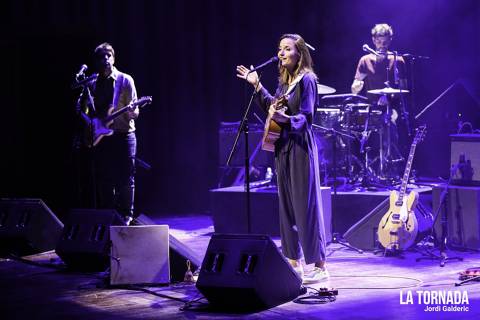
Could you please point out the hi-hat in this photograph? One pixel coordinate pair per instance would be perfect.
(388, 90)
(323, 89)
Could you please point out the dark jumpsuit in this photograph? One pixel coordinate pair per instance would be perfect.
(296, 161)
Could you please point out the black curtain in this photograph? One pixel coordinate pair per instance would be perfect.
(184, 54)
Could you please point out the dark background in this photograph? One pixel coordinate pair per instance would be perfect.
(184, 54)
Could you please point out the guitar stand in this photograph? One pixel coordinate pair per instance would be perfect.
(442, 256)
(389, 253)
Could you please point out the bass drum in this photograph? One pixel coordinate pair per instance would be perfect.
(325, 144)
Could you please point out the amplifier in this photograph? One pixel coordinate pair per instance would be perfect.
(465, 159)
(226, 138)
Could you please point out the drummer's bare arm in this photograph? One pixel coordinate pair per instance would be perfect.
(357, 86)
(358, 82)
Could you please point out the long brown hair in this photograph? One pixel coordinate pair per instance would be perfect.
(304, 64)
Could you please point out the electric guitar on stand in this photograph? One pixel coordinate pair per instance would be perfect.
(97, 128)
(398, 228)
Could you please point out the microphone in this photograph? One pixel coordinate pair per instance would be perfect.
(85, 81)
(263, 65)
(366, 48)
(81, 72)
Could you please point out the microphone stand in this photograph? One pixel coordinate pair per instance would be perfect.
(243, 127)
(83, 83)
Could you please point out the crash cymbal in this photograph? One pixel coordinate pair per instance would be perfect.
(323, 89)
(388, 90)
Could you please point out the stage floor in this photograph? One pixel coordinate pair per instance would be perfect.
(369, 287)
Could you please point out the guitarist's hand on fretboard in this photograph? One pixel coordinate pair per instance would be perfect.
(133, 114)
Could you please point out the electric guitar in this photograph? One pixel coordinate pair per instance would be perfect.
(398, 228)
(272, 129)
(97, 128)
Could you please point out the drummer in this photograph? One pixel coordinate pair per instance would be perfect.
(378, 71)
(384, 70)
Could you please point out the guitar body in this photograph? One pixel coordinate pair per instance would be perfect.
(100, 129)
(272, 130)
(271, 134)
(97, 128)
(398, 228)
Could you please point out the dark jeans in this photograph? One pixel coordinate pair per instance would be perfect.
(114, 161)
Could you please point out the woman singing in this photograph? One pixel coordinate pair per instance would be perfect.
(296, 157)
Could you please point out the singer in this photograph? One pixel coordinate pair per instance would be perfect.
(113, 160)
(296, 160)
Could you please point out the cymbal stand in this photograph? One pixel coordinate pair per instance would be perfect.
(386, 145)
(368, 177)
(336, 237)
(348, 112)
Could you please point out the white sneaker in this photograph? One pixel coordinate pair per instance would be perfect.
(299, 270)
(316, 275)
(297, 266)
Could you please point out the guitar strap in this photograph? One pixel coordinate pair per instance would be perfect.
(294, 83)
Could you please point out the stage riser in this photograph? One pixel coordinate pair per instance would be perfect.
(230, 216)
(342, 210)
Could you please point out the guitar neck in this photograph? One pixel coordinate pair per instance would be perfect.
(119, 112)
(139, 103)
(406, 174)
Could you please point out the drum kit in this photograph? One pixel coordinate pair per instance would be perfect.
(357, 142)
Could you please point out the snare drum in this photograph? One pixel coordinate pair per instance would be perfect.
(357, 119)
(328, 117)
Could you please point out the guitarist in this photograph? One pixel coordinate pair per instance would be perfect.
(114, 157)
(296, 162)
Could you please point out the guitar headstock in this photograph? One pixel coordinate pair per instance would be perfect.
(420, 133)
(143, 101)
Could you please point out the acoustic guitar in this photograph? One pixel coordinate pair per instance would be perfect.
(398, 228)
(272, 129)
(97, 128)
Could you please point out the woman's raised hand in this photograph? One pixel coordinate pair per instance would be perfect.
(250, 77)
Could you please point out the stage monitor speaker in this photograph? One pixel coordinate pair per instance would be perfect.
(246, 273)
(27, 226)
(363, 234)
(139, 255)
(179, 254)
(85, 241)
(161, 257)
